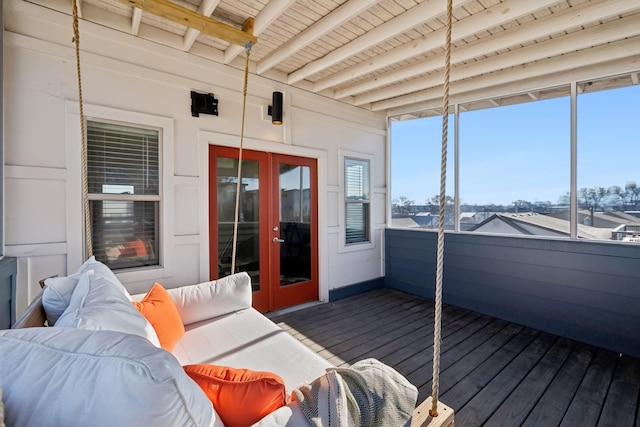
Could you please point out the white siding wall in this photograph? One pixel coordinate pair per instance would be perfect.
(132, 79)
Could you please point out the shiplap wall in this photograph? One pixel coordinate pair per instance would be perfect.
(587, 291)
(129, 79)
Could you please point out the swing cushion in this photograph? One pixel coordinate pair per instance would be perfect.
(56, 295)
(207, 300)
(74, 377)
(96, 304)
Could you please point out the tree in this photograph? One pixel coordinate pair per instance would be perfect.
(402, 204)
(632, 192)
(564, 200)
(522, 206)
(434, 203)
(592, 197)
(615, 197)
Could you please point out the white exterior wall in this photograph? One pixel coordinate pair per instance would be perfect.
(130, 79)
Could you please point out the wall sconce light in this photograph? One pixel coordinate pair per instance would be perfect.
(203, 103)
(275, 109)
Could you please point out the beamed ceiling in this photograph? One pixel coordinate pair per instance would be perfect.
(388, 55)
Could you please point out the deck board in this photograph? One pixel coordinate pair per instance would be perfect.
(587, 403)
(516, 407)
(492, 372)
(623, 393)
(556, 399)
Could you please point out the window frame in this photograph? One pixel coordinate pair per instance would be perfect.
(345, 155)
(114, 197)
(570, 90)
(76, 250)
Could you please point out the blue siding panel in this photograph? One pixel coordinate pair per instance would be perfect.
(355, 289)
(584, 290)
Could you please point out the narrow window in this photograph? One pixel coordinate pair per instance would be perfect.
(608, 151)
(124, 193)
(357, 201)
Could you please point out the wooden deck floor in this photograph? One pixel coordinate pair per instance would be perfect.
(493, 373)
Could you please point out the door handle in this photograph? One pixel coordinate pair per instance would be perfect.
(276, 240)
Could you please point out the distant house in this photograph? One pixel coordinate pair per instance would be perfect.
(404, 222)
(534, 224)
(610, 220)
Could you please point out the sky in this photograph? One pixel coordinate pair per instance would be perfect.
(522, 152)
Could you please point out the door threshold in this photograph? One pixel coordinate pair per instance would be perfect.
(292, 309)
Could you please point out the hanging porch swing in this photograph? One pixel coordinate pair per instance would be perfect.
(431, 412)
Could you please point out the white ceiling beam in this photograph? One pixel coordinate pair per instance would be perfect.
(136, 18)
(599, 54)
(426, 11)
(605, 33)
(570, 18)
(272, 11)
(533, 96)
(563, 77)
(336, 18)
(634, 78)
(494, 102)
(481, 21)
(206, 8)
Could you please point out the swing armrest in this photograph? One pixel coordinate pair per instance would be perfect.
(33, 316)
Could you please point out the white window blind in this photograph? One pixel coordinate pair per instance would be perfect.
(357, 201)
(124, 192)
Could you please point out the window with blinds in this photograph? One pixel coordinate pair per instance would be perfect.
(357, 200)
(123, 177)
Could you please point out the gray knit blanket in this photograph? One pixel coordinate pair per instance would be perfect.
(368, 394)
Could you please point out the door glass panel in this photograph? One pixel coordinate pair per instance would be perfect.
(248, 242)
(295, 224)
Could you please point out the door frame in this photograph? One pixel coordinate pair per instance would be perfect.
(287, 294)
(207, 138)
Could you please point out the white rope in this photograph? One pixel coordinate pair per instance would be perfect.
(247, 48)
(440, 255)
(85, 184)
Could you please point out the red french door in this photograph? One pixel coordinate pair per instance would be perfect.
(277, 224)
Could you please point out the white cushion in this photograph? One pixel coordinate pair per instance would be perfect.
(211, 299)
(101, 269)
(98, 304)
(73, 377)
(247, 339)
(57, 293)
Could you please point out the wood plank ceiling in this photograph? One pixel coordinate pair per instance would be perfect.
(388, 55)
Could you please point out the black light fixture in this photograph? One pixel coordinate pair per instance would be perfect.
(275, 109)
(203, 103)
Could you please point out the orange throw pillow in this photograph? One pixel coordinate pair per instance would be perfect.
(240, 396)
(160, 310)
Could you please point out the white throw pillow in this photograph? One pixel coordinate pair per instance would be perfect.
(72, 377)
(211, 299)
(96, 304)
(57, 293)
